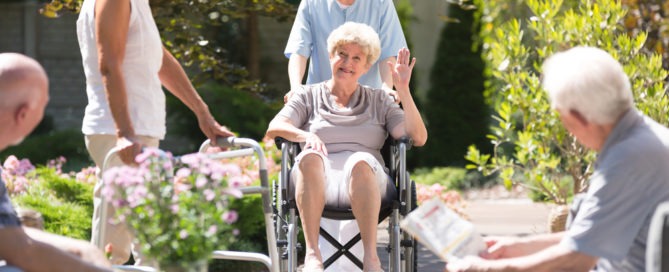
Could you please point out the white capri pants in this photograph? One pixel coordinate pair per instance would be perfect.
(338, 168)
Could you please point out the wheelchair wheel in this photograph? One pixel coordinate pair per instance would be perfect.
(280, 226)
(410, 244)
(414, 205)
(285, 221)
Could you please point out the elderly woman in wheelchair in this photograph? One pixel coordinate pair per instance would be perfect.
(341, 126)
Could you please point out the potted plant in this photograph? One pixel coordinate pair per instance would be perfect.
(180, 219)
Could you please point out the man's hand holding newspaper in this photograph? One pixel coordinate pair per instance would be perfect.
(443, 232)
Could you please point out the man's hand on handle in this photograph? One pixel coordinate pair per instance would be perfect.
(129, 149)
(213, 130)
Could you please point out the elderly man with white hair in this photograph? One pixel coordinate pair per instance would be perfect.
(609, 229)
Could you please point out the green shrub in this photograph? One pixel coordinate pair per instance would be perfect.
(67, 189)
(251, 238)
(240, 111)
(528, 137)
(455, 113)
(42, 147)
(450, 177)
(251, 224)
(65, 204)
(60, 217)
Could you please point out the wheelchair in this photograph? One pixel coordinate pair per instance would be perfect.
(399, 201)
(657, 248)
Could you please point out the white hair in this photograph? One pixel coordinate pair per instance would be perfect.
(357, 33)
(589, 81)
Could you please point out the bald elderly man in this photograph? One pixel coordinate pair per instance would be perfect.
(23, 97)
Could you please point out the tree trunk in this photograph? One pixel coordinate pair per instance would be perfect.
(253, 54)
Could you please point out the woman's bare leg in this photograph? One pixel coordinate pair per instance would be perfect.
(310, 198)
(366, 203)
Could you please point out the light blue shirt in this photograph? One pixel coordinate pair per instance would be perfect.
(631, 178)
(317, 18)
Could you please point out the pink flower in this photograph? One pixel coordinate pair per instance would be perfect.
(181, 187)
(201, 181)
(437, 188)
(108, 192)
(230, 217)
(108, 250)
(209, 194)
(11, 163)
(233, 192)
(20, 185)
(212, 230)
(87, 175)
(146, 154)
(183, 173)
(229, 169)
(183, 234)
(174, 208)
(240, 181)
(193, 160)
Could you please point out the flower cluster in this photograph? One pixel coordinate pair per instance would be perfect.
(57, 164)
(19, 175)
(181, 217)
(15, 174)
(452, 198)
(87, 175)
(248, 166)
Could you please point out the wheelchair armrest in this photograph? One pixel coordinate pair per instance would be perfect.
(405, 140)
(279, 141)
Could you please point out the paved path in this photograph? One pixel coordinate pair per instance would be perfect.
(517, 217)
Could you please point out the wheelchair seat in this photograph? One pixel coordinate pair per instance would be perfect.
(338, 212)
(399, 199)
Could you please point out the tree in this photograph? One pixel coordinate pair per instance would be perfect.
(185, 27)
(216, 41)
(456, 114)
(529, 142)
(649, 16)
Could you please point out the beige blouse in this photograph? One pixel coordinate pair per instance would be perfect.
(362, 125)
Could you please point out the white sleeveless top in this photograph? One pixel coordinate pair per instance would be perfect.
(143, 59)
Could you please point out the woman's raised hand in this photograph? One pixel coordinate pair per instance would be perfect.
(402, 69)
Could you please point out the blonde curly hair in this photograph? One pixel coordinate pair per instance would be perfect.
(356, 33)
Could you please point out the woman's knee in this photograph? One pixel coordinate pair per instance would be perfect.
(311, 168)
(362, 171)
(311, 163)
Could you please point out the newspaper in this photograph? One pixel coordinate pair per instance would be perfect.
(443, 231)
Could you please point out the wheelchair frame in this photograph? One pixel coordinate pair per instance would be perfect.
(401, 246)
(657, 247)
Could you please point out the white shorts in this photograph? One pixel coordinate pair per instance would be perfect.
(338, 168)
